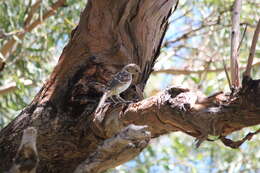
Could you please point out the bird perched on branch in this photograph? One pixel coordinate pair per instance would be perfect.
(119, 83)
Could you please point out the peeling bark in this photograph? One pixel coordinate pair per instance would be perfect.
(26, 159)
(110, 35)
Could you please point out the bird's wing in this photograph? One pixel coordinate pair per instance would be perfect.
(121, 78)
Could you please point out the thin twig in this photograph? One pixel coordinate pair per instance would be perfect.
(194, 71)
(243, 36)
(252, 50)
(226, 72)
(187, 34)
(181, 16)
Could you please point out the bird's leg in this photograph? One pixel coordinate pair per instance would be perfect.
(113, 100)
(121, 99)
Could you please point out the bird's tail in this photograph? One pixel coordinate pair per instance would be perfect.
(102, 101)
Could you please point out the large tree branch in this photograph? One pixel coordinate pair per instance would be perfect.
(179, 109)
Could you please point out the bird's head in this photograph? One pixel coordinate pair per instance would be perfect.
(132, 68)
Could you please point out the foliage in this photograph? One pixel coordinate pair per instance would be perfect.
(198, 39)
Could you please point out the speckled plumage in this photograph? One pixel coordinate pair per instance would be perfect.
(119, 83)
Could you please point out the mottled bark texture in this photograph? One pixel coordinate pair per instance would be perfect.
(111, 34)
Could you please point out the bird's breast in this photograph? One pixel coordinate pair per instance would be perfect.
(121, 88)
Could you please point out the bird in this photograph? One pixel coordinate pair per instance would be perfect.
(119, 83)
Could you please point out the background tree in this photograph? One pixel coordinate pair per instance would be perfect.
(196, 30)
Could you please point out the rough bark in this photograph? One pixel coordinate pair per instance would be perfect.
(110, 34)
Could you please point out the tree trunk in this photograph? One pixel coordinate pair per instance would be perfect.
(72, 138)
(110, 35)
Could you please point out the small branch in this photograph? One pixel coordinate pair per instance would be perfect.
(181, 16)
(26, 159)
(235, 34)
(189, 33)
(32, 11)
(2, 64)
(187, 72)
(204, 75)
(114, 151)
(236, 144)
(193, 32)
(243, 36)
(226, 72)
(12, 87)
(252, 50)
(49, 13)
